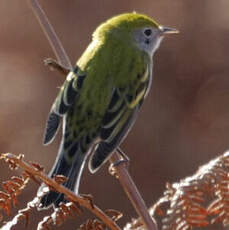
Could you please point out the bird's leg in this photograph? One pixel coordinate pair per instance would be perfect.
(54, 65)
(124, 159)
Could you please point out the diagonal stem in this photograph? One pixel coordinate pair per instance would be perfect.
(132, 192)
(47, 28)
(124, 176)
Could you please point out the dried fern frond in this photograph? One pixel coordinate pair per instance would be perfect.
(23, 214)
(60, 215)
(35, 172)
(93, 225)
(190, 198)
(97, 224)
(185, 205)
(13, 187)
(219, 208)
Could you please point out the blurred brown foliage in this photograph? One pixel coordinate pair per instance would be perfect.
(184, 121)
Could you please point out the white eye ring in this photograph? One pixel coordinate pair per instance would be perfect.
(148, 32)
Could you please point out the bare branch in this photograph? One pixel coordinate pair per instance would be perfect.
(51, 35)
(132, 192)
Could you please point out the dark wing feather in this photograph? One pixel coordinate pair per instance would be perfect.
(104, 148)
(118, 119)
(63, 102)
(52, 126)
(116, 123)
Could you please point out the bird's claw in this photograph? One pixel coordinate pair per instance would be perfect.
(125, 160)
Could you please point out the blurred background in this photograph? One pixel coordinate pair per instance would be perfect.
(184, 121)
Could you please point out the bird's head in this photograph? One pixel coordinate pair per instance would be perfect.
(133, 28)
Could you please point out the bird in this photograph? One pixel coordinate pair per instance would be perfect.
(101, 97)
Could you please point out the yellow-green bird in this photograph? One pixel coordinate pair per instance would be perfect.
(101, 97)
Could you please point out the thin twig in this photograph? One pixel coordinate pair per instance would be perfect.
(122, 171)
(50, 34)
(132, 192)
(61, 189)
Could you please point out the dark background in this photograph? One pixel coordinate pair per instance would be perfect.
(183, 123)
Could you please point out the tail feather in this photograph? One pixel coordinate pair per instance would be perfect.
(71, 169)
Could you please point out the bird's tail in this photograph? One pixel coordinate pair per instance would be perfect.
(71, 168)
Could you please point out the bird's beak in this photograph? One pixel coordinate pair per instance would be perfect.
(167, 30)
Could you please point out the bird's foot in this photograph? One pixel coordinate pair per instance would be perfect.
(124, 160)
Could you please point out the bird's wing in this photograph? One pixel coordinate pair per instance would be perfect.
(119, 117)
(63, 102)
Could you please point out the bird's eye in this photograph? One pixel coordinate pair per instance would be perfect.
(147, 32)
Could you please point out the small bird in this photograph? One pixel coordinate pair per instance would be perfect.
(101, 97)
